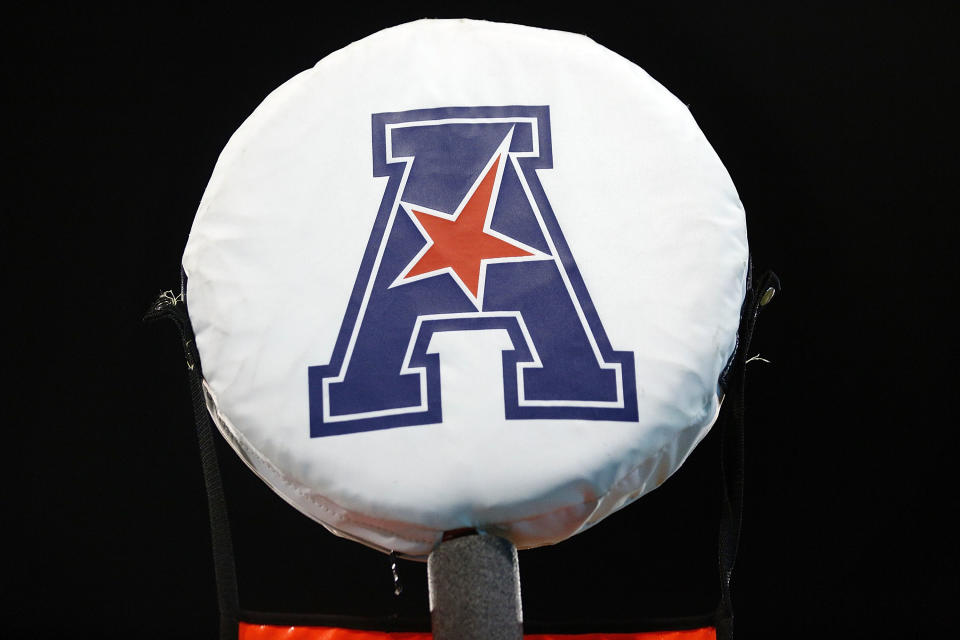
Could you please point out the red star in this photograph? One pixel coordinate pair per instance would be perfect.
(463, 245)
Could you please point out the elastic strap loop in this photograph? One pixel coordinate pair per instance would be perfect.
(172, 307)
(759, 294)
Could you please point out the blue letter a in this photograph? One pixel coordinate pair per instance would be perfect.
(466, 240)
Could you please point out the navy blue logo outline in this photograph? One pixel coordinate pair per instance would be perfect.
(417, 361)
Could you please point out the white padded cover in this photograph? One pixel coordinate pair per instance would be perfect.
(466, 274)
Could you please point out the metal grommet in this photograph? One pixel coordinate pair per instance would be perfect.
(767, 296)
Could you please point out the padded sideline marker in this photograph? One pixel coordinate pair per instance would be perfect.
(466, 274)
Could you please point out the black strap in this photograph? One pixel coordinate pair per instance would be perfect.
(172, 307)
(759, 294)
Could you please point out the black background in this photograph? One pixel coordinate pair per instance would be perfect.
(836, 125)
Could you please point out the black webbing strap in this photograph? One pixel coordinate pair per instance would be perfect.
(172, 307)
(759, 294)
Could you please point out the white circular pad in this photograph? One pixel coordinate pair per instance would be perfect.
(466, 274)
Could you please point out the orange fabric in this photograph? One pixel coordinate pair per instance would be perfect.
(274, 632)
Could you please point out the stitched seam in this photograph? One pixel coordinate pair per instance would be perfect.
(347, 516)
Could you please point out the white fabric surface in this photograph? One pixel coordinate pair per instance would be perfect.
(271, 262)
